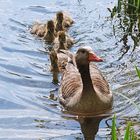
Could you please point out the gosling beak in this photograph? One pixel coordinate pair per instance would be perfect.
(93, 57)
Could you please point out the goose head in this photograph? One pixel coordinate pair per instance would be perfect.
(85, 55)
(50, 26)
(59, 16)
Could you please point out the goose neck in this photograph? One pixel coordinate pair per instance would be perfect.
(86, 79)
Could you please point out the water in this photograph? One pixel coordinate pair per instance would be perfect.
(27, 109)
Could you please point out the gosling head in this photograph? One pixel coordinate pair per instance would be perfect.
(50, 26)
(59, 16)
(85, 55)
(61, 36)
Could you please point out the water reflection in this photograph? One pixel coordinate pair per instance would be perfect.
(89, 127)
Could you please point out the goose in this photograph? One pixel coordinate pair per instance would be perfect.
(63, 41)
(62, 21)
(38, 29)
(83, 88)
(50, 33)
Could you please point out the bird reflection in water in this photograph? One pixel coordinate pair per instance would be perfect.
(89, 127)
(89, 124)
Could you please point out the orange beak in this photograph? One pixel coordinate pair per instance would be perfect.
(93, 57)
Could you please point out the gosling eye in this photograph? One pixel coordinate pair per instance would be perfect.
(83, 51)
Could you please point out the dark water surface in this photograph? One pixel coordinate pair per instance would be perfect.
(28, 110)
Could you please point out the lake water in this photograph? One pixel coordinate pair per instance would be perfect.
(29, 109)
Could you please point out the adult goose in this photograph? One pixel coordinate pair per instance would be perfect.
(83, 88)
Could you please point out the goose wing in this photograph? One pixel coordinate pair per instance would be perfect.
(68, 53)
(71, 86)
(100, 84)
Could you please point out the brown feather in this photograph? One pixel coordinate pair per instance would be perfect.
(71, 83)
(98, 81)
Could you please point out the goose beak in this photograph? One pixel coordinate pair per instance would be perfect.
(93, 57)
